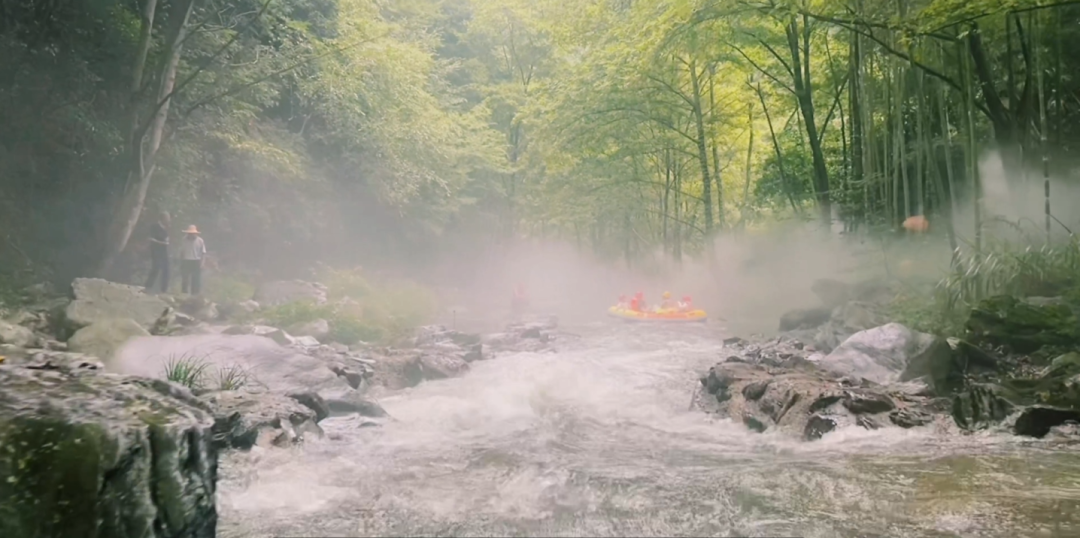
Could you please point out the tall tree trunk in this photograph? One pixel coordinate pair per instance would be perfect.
(142, 164)
(703, 153)
(776, 148)
(799, 45)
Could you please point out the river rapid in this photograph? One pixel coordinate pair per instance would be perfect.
(599, 440)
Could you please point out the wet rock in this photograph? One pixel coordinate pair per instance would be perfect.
(867, 402)
(946, 372)
(289, 291)
(754, 424)
(242, 419)
(1022, 327)
(1038, 420)
(881, 354)
(910, 418)
(97, 300)
(354, 402)
(318, 329)
(398, 369)
(980, 406)
(804, 318)
(438, 366)
(817, 426)
(312, 401)
(102, 338)
(754, 391)
(789, 399)
(103, 455)
(867, 422)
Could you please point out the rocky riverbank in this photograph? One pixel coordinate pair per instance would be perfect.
(1016, 369)
(114, 404)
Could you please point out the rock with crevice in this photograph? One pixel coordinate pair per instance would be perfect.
(801, 401)
(94, 454)
(243, 419)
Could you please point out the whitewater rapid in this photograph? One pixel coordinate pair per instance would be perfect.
(599, 440)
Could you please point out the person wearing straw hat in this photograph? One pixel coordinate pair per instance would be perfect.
(192, 257)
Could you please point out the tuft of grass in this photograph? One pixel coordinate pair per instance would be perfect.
(193, 372)
(187, 370)
(232, 378)
(1000, 268)
(1005, 270)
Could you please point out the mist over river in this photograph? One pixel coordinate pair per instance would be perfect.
(598, 440)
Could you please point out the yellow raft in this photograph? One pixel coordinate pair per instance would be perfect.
(669, 315)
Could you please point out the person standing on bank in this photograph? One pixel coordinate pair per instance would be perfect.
(192, 256)
(159, 253)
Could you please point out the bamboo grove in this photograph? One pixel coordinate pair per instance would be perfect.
(290, 129)
(671, 122)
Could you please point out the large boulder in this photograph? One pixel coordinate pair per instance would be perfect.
(16, 335)
(881, 354)
(97, 299)
(102, 338)
(101, 455)
(289, 291)
(264, 362)
(947, 373)
(1022, 326)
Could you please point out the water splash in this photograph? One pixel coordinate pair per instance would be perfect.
(598, 440)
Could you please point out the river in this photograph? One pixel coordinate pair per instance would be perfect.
(599, 440)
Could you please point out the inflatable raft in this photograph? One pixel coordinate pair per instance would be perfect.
(653, 315)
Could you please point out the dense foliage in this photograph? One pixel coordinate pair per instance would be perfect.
(360, 130)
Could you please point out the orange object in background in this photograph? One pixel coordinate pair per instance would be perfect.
(917, 224)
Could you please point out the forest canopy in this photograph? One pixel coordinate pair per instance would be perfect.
(352, 130)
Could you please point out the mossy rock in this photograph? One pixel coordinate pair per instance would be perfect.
(1059, 386)
(1023, 327)
(981, 406)
(102, 456)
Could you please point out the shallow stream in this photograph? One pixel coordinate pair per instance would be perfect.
(599, 440)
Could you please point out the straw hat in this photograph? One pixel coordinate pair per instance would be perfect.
(192, 230)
